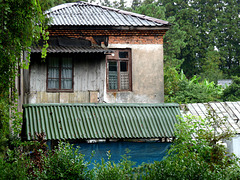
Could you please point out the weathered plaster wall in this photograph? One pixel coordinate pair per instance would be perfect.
(147, 75)
(233, 145)
(89, 77)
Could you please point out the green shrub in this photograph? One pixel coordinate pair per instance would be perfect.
(115, 171)
(196, 153)
(13, 167)
(232, 92)
(63, 163)
(181, 90)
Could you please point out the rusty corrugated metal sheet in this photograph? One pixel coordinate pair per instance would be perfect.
(228, 110)
(71, 49)
(100, 121)
(87, 14)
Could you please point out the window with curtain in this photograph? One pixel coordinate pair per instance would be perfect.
(119, 70)
(60, 74)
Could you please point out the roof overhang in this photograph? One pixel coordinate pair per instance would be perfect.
(72, 49)
(59, 44)
(79, 27)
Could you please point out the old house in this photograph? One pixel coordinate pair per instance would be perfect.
(102, 79)
(98, 54)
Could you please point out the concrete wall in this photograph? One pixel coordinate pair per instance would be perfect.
(147, 75)
(233, 145)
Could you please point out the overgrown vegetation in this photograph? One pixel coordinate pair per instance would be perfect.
(197, 153)
(182, 90)
(21, 24)
(232, 92)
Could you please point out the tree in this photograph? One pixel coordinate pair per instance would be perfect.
(229, 37)
(21, 24)
(47, 4)
(210, 66)
(135, 4)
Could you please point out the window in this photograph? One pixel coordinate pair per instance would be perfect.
(60, 74)
(119, 70)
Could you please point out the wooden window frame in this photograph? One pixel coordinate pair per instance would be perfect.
(60, 68)
(115, 58)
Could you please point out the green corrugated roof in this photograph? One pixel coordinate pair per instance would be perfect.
(100, 121)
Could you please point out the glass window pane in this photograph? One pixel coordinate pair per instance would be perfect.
(112, 66)
(53, 62)
(53, 72)
(123, 66)
(67, 62)
(66, 84)
(124, 75)
(53, 83)
(123, 54)
(66, 73)
(112, 75)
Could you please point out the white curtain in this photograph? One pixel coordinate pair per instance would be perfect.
(53, 73)
(66, 74)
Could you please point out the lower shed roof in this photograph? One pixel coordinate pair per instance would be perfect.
(99, 121)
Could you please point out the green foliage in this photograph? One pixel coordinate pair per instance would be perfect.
(210, 67)
(4, 125)
(204, 37)
(153, 9)
(47, 4)
(22, 24)
(63, 163)
(112, 171)
(232, 92)
(181, 90)
(13, 168)
(197, 153)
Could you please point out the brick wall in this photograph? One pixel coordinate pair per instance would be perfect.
(115, 36)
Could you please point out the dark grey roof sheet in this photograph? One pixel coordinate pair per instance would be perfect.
(87, 14)
(72, 49)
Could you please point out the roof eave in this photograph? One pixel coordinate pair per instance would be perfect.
(165, 27)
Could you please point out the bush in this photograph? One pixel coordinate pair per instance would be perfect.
(232, 92)
(195, 154)
(63, 163)
(181, 90)
(115, 171)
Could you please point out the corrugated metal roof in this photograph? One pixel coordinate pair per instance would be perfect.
(72, 49)
(87, 14)
(100, 121)
(228, 110)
